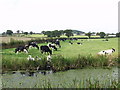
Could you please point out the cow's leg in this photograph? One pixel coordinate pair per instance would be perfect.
(17, 52)
(25, 51)
(42, 52)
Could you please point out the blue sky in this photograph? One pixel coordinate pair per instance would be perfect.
(39, 15)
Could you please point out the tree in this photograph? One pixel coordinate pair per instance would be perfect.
(31, 32)
(3, 33)
(62, 32)
(89, 34)
(102, 34)
(22, 32)
(26, 33)
(48, 33)
(68, 32)
(118, 34)
(97, 33)
(56, 33)
(9, 32)
(18, 31)
(43, 32)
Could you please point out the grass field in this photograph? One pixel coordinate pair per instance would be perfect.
(36, 35)
(67, 53)
(63, 36)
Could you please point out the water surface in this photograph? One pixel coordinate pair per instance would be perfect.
(21, 79)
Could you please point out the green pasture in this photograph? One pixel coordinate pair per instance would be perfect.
(67, 55)
(63, 36)
(36, 35)
(89, 46)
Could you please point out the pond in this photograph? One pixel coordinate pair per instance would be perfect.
(77, 78)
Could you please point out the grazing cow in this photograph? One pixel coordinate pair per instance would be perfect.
(45, 49)
(62, 39)
(75, 39)
(70, 42)
(101, 53)
(52, 46)
(106, 52)
(79, 43)
(58, 43)
(21, 49)
(33, 44)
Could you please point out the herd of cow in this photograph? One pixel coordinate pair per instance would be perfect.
(43, 48)
(54, 45)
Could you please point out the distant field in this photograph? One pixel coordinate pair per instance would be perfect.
(41, 35)
(36, 35)
(8, 39)
(29, 37)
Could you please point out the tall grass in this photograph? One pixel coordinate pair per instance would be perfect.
(58, 63)
(74, 84)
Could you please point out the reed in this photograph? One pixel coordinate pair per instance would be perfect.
(58, 63)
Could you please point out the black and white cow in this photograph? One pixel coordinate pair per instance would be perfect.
(70, 42)
(57, 42)
(62, 39)
(33, 44)
(45, 49)
(53, 46)
(106, 52)
(21, 49)
(75, 39)
(79, 43)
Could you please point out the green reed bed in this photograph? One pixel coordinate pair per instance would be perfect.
(58, 63)
(88, 83)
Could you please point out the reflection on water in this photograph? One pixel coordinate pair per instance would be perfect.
(38, 79)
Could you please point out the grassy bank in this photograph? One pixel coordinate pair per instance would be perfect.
(58, 63)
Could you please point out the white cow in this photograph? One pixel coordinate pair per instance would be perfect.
(106, 52)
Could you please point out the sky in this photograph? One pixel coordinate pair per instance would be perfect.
(47, 15)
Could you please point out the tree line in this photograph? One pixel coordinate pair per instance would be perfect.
(58, 33)
(10, 32)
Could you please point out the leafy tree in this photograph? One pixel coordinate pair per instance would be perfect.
(48, 33)
(89, 34)
(22, 32)
(56, 33)
(62, 32)
(97, 33)
(31, 32)
(102, 34)
(3, 33)
(43, 32)
(18, 31)
(9, 32)
(68, 32)
(26, 33)
(118, 34)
